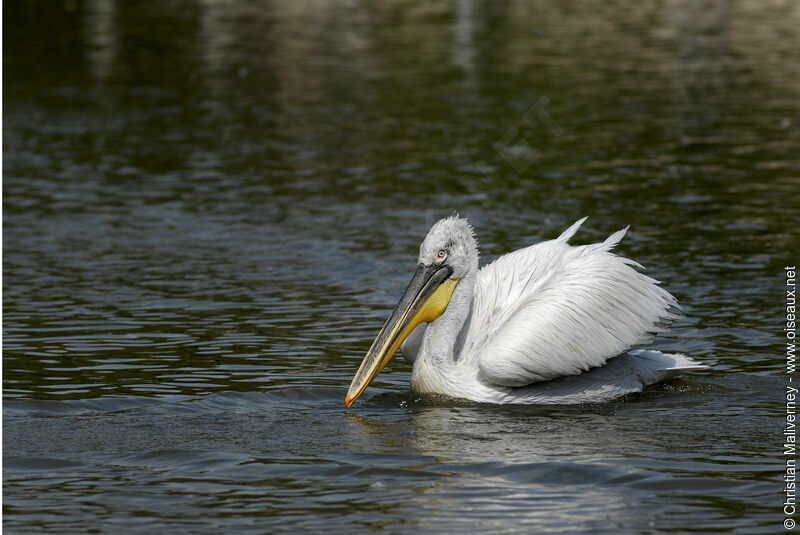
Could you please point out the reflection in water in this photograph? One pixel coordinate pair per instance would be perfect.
(539, 466)
(101, 38)
(700, 33)
(462, 48)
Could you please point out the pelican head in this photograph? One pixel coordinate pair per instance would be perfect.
(448, 254)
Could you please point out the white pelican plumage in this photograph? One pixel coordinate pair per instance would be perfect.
(550, 323)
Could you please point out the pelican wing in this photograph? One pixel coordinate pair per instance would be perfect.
(553, 310)
(626, 374)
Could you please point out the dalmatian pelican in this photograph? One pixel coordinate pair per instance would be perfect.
(548, 324)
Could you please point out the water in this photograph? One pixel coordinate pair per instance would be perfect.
(210, 208)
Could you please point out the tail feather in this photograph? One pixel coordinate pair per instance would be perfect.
(657, 366)
(570, 232)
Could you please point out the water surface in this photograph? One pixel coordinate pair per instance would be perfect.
(210, 208)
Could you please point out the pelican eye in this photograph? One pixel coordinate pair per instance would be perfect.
(441, 255)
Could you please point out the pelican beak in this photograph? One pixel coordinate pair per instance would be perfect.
(424, 300)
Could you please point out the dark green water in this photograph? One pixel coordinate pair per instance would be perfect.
(209, 208)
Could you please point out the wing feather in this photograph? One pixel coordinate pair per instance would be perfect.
(626, 374)
(553, 310)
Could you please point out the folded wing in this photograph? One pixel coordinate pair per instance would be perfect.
(553, 310)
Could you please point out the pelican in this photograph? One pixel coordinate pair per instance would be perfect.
(548, 324)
